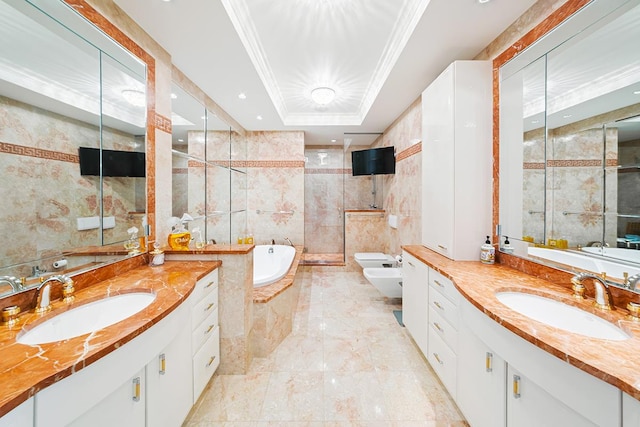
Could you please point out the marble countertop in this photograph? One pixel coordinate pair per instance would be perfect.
(26, 369)
(615, 362)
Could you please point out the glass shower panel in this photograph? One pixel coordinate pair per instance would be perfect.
(218, 190)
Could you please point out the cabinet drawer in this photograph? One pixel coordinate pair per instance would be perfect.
(205, 286)
(444, 285)
(205, 363)
(443, 306)
(203, 309)
(204, 331)
(443, 361)
(443, 329)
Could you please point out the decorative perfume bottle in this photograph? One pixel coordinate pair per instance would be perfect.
(180, 237)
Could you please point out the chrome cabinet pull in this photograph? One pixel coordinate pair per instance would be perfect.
(438, 358)
(209, 329)
(136, 389)
(444, 248)
(163, 365)
(437, 304)
(516, 386)
(489, 361)
(210, 284)
(438, 327)
(209, 307)
(438, 283)
(409, 262)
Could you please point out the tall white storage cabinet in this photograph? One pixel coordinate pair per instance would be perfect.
(457, 160)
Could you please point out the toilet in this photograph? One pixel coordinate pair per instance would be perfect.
(387, 280)
(374, 259)
(382, 272)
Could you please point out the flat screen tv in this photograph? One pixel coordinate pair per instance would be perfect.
(114, 162)
(374, 161)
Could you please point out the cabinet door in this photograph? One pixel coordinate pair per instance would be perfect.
(481, 381)
(21, 416)
(530, 405)
(438, 164)
(124, 407)
(415, 300)
(630, 411)
(169, 382)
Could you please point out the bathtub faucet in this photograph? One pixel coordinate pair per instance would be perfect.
(288, 241)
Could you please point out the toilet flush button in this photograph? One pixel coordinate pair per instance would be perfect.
(393, 221)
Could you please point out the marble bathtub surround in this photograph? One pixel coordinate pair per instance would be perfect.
(478, 283)
(28, 369)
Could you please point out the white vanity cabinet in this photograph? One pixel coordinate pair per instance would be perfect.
(20, 416)
(169, 383)
(541, 390)
(205, 332)
(415, 299)
(630, 411)
(122, 407)
(457, 159)
(443, 329)
(481, 381)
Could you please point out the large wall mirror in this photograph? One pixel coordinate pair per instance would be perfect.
(209, 181)
(72, 142)
(570, 144)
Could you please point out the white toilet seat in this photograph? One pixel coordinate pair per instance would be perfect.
(386, 280)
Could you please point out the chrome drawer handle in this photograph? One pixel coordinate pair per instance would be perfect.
(438, 358)
(209, 329)
(209, 285)
(438, 327)
(437, 304)
(136, 389)
(211, 361)
(444, 248)
(163, 364)
(209, 307)
(489, 362)
(438, 283)
(516, 386)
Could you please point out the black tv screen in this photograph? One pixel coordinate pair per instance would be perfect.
(374, 161)
(114, 162)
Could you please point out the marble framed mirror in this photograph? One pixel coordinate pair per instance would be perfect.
(64, 84)
(569, 117)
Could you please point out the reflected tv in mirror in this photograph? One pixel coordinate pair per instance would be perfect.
(114, 162)
(374, 161)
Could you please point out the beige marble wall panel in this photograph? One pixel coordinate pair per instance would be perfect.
(364, 232)
(274, 145)
(236, 312)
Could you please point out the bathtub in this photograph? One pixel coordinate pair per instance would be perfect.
(271, 267)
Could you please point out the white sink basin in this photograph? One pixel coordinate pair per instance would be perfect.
(87, 318)
(562, 316)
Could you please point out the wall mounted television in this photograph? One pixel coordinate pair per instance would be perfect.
(374, 161)
(114, 162)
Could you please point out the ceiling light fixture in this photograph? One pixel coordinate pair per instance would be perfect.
(637, 92)
(259, 117)
(479, 1)
(323, 95)
(174, 96)
(134, 97)
(242, 95)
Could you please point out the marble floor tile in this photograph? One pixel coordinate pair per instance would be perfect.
(347, 363)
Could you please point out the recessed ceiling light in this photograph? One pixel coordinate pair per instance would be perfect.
(259, 117)
(203, 117)
(180, 140)
(242, 95)
(134, 97)
(566, 116)
(637, 92)
(174, 96)
(333, 140)
(479, 1)
(535, 121)
(323, 95)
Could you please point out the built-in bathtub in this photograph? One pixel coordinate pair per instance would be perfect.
(271, 263)
(274, 303)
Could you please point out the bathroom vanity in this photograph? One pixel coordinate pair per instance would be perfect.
(148, 369)
(505, 369)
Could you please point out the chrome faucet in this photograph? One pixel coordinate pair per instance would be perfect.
(604, 300)
(14, 282)
(288, 241)
(43, 301)
(631, 283)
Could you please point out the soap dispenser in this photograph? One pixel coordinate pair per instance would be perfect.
(507, 248)
(487, 252)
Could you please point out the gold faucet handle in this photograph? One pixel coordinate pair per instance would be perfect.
(634, 311)
(578, 290)
(10, 315)
(67, 292)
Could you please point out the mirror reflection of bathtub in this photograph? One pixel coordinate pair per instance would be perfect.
(627, 260)
(271, 263)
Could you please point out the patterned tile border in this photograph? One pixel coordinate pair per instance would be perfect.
(528, 165)
(570, 164)
(408, 152)
(327, 171)
(274, 164)
(180, 171)
(21, 150)
(163, 124)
